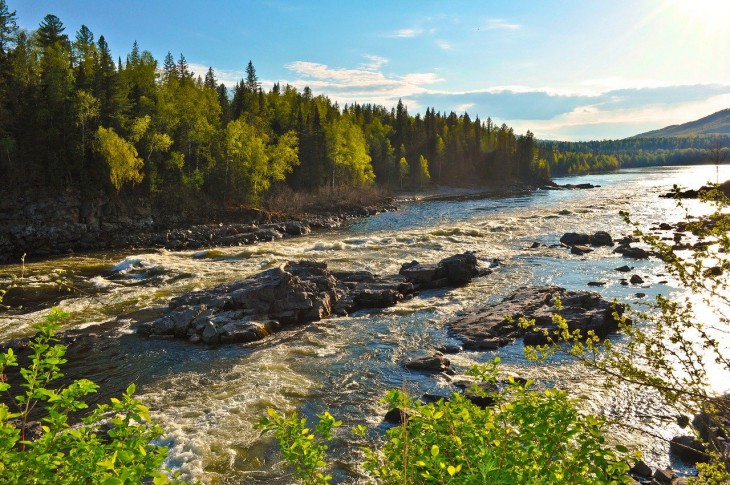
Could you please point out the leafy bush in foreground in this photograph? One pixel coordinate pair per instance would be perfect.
(111, 445)
(526, 437)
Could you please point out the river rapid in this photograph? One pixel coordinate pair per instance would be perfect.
(209, 399)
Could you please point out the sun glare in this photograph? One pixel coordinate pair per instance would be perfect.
(712, 16)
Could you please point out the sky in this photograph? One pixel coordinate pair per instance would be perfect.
(566, 70)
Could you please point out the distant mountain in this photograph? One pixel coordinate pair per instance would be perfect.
(717, 123)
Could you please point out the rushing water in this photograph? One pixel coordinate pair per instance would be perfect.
(209, 399)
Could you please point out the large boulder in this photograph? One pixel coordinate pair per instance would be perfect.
(455, 270)
(573, 238)
(494, 325)
(295, 292)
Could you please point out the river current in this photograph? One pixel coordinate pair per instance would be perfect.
(209, 399)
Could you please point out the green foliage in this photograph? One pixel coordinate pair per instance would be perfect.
(253, 163)
(423, 176)
(574, 158)
(527, 437)
(111, 445)
(348, 154)
(121, 157)
(303, 448)
(403, 170)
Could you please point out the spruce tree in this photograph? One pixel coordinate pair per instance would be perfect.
(50, 31)
(8, 28)
(252, 82)
(169, 68)
(210, 82)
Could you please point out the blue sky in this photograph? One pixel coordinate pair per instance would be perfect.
(570, 70)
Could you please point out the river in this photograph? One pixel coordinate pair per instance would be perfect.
(209, 399)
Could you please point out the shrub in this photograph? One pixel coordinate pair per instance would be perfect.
(111, 445)
(527, 437)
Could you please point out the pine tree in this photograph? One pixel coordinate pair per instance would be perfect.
(182, 68)
(252, 82)
(50, 31)
(8, 28)
(104, 81)
(133, 57)
(224, 103)
(210, 82)
(169, 68)
(85, 58)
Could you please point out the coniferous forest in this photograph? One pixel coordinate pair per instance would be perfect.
(75, 115)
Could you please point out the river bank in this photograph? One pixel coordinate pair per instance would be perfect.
(39, 225)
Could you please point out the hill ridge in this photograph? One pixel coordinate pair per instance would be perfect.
(717, 123)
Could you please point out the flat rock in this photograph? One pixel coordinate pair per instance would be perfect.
(432, 363)
(641, 469)
(494, 325)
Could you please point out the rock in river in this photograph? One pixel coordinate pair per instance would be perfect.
(600, 238)
(294, 293)
(494, 325)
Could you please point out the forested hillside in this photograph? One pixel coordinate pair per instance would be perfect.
(73, 114)
(715, 124)
(595, 156)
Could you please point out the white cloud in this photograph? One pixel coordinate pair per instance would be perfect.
(376, 62)
(461, 108)
(500, 24)
(443, 45)
(229, 78)
(339, 76)
(364, 84)
(421, 78)
(407, 33)
(630, 121)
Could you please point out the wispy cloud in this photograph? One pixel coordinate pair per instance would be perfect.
(561, 114)
(339, 76)
(500, 24)
(364, 84)
(227, 77)
(464, 107)
(443, 45)
(375, 62)
(407, 33)
(417, 79)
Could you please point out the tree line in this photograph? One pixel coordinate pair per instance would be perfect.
(72, 115)
(574, 158)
